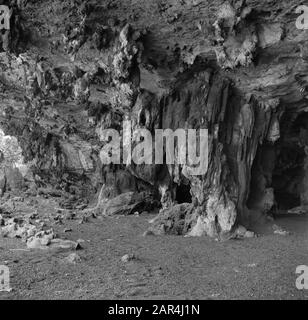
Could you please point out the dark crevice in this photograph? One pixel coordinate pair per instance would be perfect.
(277, 180)
(183, 194)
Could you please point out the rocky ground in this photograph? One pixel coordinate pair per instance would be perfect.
(116, 261)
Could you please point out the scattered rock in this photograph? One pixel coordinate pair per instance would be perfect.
(249, 234)
(15, 228)
(64, 244)
(73, 258)
(240, 231)
(280, 231)
(298, 210)
(41, 240)
(252, 265)
(128, 258)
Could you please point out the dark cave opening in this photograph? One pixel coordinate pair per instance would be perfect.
(261, 196)
(183, 194)
(289, 172)
(288, 176)
(278, 172)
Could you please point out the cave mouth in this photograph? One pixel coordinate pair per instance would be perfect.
(289, 172)
(287, 176)
(183, 194)
(278, 171)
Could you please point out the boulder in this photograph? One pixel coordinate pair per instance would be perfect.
(175, 220)
(128, 203)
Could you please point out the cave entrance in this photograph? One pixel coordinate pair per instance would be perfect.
(288, 176)
(289, 172)
(278, 172)
(183, 194)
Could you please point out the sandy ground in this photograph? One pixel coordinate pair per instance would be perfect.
(166, 267)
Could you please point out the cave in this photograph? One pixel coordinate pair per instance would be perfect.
(72, 72)
(287, 177)
(183, 194)
(290, 169)
(278, 172)
(227, 79)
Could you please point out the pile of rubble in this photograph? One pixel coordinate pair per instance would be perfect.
(32, 230)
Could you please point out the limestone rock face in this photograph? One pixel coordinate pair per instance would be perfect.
(175, 220)
(72, 69)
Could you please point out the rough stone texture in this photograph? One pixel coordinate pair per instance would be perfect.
(70, 69)
(129, 203)
(175, 220)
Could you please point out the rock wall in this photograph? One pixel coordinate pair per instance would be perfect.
(70, 69)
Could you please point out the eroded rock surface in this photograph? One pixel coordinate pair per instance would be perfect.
(70, 69)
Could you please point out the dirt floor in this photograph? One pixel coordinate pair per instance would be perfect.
(166, 267)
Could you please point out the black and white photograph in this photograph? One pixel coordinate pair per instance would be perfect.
(153, 150)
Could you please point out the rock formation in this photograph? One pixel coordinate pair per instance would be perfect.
(70, 69)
